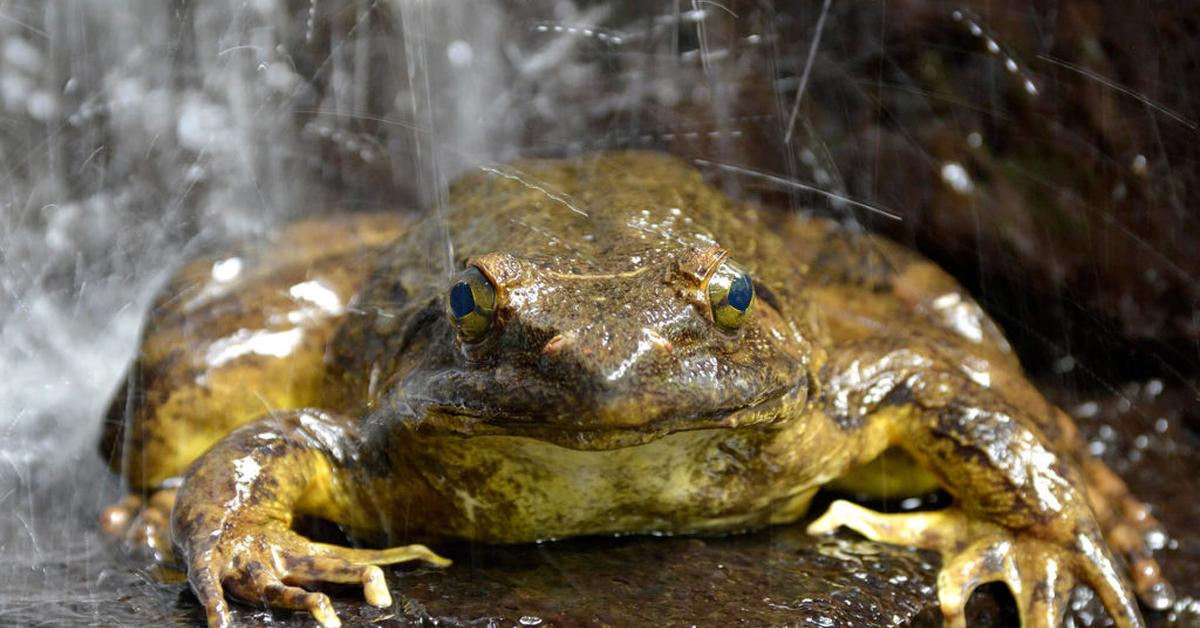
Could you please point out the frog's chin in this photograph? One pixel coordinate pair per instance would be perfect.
(594, 435)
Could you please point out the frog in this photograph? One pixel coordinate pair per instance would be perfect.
(600, 345)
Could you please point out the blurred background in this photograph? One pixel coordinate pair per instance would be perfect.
(1045, 153)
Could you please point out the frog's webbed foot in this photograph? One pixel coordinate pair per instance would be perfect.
(1040, 573)
(269, 565)
(1127, 524)
(142, 526)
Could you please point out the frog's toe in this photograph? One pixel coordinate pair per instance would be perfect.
(931, 530)
(1128, 525)
(116, 519)
(206, 582)
(142, 526)
(262, 584)
(1041, 586)
(1148, 580)
(333, 563)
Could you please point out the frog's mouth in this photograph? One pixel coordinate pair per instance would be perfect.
(613, 425)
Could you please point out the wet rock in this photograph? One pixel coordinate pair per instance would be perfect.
(1146, 432)
(772, 577)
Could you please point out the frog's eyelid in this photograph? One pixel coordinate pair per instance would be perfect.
(700, 265)
(500, 288)
(714, 267)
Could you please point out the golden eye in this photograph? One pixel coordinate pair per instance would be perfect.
(472, 304)
(731, 294)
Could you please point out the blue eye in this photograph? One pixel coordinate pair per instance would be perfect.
(462, 302)
(472, 305)
(730, 293)
(741, 293)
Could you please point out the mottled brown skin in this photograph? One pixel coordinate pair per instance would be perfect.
(603, 398)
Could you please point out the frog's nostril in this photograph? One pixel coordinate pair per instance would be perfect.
(554, 345)
(660, 344)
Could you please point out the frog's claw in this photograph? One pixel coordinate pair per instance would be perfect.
(266, 565)
(1039, 573)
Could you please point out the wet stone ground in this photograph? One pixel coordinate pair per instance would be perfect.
(776, 576)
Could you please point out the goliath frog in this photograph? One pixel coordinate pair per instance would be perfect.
(595, 346)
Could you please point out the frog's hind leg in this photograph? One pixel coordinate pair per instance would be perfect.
(1023, 510)
(1040, 574)
(1127, 523)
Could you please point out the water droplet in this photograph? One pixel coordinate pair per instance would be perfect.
(459, 52)
(1065, 364)
(227, 269)
(954, 175)
(1139, 165)
(42, 105)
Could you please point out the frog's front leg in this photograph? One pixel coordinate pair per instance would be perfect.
(232, 522)
(1021, 514)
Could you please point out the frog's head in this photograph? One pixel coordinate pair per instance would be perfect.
(602, 356)
(594, 303)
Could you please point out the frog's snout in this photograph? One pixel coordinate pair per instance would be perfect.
(606, 363)
(559, 342)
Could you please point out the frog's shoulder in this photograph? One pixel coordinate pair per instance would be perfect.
(233, 333)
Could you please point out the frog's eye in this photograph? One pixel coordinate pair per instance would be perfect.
(731, 293)
(472, 304)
